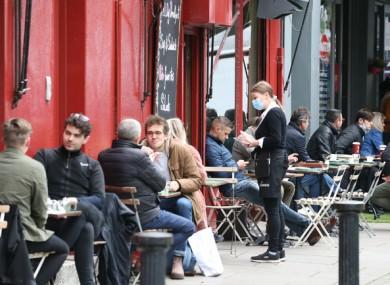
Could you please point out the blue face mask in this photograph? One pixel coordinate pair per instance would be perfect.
(257, 104)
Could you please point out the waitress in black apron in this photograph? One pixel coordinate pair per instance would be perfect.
(271, 165)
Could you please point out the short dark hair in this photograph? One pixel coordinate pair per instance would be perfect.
(299, 115)
(364, 114)
(332, 115)
(221, 120)
(156, 120)
(79, 121)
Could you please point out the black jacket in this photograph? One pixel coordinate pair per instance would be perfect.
(350, 134)
(72, 174)
(296, 142)
(15, 266)
(119, 226)
(125, 164)
(322, 142)
(273, 129)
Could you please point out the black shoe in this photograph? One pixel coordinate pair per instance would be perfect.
(267, 257)
(282, 255)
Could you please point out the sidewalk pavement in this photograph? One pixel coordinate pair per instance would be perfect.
(304, 265)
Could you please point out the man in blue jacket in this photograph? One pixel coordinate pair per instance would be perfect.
(218, 155)
(71, 173)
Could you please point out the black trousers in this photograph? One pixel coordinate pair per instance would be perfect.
(53, 262)
(79, 235)
(275, 224)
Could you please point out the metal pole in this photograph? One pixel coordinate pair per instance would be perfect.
(153, 247)
(348, 212)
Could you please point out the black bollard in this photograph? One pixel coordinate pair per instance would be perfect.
(348, 212)
(153, 247)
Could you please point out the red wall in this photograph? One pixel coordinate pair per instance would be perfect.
(93, 51)
(42, 62)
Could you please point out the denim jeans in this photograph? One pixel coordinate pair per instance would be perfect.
(309, 186)
(181, 228)
(248, 189)
(181, 206)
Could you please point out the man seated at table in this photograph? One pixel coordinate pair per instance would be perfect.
(23, 183)
(125, 164)
(71, 173)
(354, 132)
(218, 155)
(323, 142)
(295, 143)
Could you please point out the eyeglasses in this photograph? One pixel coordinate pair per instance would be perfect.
(79, 116)
(151, 133)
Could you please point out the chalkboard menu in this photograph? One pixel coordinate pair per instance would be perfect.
(167, 57)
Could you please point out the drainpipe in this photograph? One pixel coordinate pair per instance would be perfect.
(239, 59)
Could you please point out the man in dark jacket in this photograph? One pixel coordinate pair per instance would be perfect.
(71, 173)
(295, 143)
(354, 132)
(323, 141)
(125, 164)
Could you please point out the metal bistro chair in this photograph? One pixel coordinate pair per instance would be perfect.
(229, 207)
(365, 197)
(325, 203)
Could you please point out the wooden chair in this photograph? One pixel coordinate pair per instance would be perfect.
(124, 192)
(36, 255)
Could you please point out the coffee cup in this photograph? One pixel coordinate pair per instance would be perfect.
(355, 147)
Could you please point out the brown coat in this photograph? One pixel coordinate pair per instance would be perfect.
(183, 169)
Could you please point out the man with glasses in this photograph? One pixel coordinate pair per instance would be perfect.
(178, 167)
(71, 173)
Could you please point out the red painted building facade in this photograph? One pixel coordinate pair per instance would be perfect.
(99, 55)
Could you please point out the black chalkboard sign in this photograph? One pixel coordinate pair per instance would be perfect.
(167, 57)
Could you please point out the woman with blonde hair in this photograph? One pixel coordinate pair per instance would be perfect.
(178, 132)
(270, 165)
(374, 138)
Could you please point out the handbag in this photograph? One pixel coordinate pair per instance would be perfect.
(262, 165)
(206, 253)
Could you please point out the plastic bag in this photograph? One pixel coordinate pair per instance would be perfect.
(206, 253)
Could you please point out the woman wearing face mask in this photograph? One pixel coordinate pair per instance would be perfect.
(271, 165)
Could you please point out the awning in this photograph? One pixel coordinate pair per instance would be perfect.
(275, 9)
